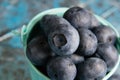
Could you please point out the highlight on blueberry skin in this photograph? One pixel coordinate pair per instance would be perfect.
(61, 68)
(91, 69)
(88, 42)
(76, 58)
(108, 53)
(38, 51)
(105, 34)
(61, 34)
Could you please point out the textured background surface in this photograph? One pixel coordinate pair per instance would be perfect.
(15, 13)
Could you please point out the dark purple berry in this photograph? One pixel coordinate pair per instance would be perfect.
(61, 34)
(91, 69)
(108, 53)
(88, 42)
(81, 18)
(38, 50)
(61, 68)
(105, 34)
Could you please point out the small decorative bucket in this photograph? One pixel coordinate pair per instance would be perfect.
(37, 75)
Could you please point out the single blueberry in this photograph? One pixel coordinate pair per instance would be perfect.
(91, 68)
(38, 50)
(88, 43)
(61, 68)
(61, 34)
(81, 18)
(105, 34)
(78, 17)
(108, 53)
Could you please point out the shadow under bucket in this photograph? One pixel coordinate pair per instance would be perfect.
(37, 75)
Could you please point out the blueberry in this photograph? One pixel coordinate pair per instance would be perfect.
(80, 18)
(88, 43)
(61, 68)
(38, 50)
(108, 53)
(105, 34)
(76, 58)
(91, 69)
(61, 34)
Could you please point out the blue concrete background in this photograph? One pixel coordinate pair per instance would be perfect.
(15, 13)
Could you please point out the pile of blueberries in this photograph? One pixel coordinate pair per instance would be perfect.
(73, 47)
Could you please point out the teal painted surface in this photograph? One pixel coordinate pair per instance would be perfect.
(15, 13)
